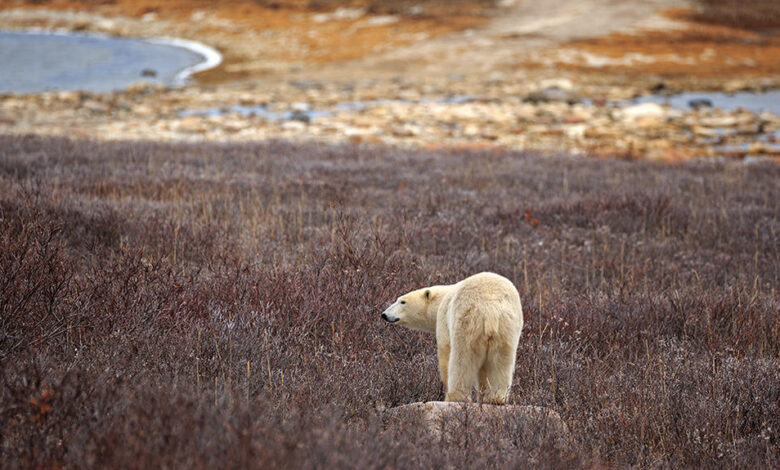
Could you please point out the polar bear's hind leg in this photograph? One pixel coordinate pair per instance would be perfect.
(496, 373)
(465, 362)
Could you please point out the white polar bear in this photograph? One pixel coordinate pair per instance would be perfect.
(477, 323)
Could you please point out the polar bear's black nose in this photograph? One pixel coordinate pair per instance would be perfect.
(384, 317)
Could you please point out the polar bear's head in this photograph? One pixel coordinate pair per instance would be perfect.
(411, 310)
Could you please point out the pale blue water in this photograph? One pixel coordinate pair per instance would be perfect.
(756, 102)
(36, 62)
(347, 106)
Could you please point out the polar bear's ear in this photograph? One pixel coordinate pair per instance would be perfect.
(427, 293)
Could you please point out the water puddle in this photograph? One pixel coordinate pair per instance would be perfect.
(769, 142)
(301, 112)
(37, 61)
(262, 111)
(755, 102)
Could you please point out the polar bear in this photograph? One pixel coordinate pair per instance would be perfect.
(477, 324)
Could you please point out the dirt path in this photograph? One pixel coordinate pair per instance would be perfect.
(521, 27)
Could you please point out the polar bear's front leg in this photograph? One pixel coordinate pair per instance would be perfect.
(443, 346)
(444, 362)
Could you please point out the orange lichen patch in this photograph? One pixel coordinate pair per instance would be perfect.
(339, 40)
(700, 50)
(250, 33)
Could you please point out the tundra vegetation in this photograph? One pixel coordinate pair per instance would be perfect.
(209, 305)
(753, 15)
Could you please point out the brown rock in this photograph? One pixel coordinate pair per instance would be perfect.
(736, 85)
(700, 131)
(95, 106)
(760, 148)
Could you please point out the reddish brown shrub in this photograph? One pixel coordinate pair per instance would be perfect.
(218, 305)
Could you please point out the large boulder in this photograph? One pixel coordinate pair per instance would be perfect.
(442, 418)
(643, 110)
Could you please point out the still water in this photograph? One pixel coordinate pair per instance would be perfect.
(32, 62)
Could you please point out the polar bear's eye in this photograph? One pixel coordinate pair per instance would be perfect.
(403, 302)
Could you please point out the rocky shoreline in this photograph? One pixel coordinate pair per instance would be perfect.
(507, 108)
(549, 115)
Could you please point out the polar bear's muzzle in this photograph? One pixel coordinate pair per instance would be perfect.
(389, 318)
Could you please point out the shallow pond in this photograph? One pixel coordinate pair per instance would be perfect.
(33, 62)
(756, 102)
(304, 113)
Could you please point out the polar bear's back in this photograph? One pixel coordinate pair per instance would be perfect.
(485, 305)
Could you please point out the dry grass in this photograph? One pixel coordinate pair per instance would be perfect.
(700, 50)
(218, 305)
(753, 14)
(394, 7)
(723, 39)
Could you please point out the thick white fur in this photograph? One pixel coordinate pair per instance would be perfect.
(477, 324)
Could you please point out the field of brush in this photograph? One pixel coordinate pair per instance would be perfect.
(217, 306)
